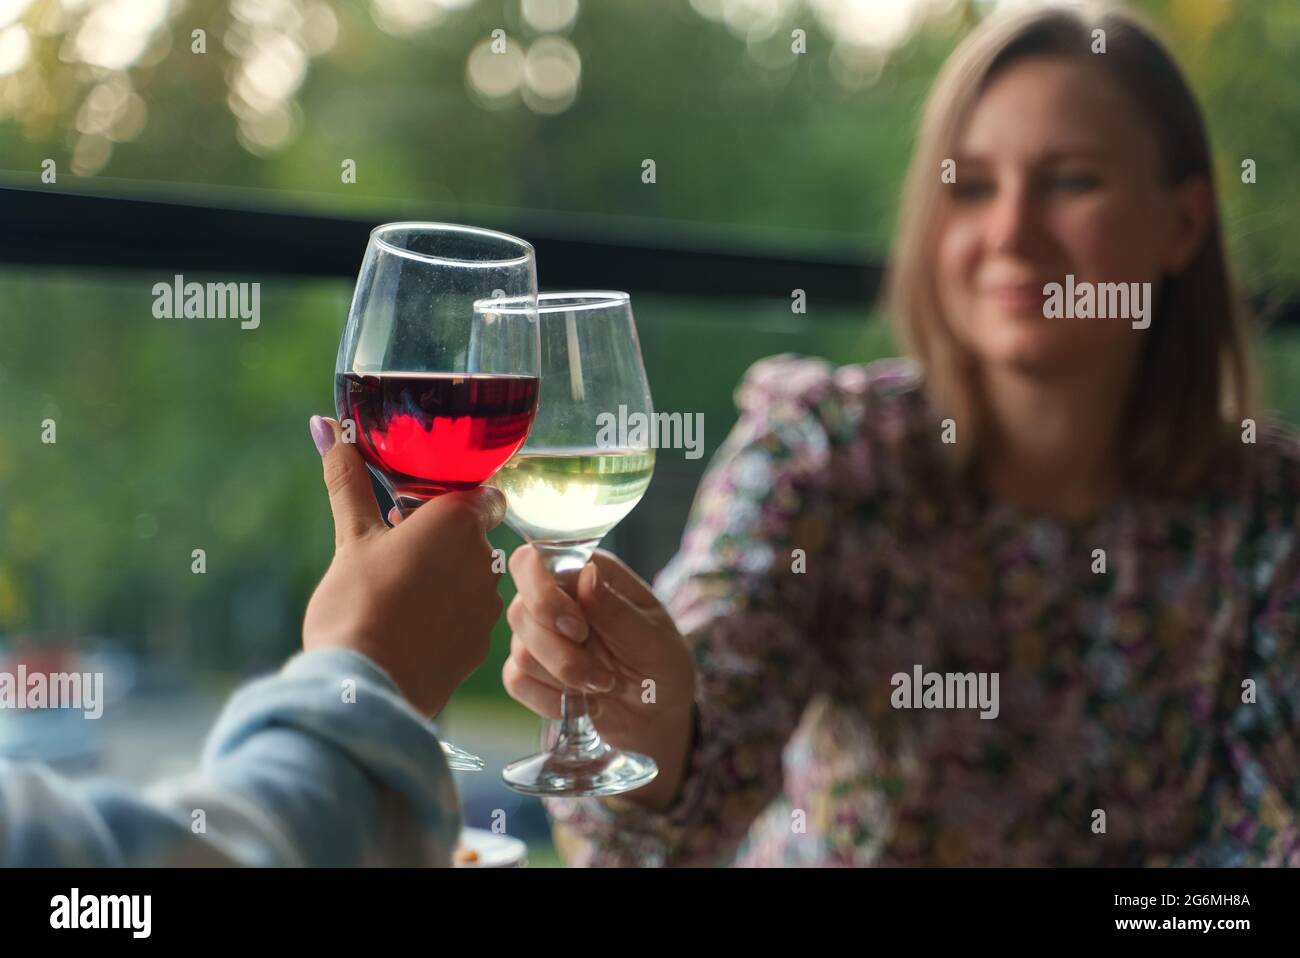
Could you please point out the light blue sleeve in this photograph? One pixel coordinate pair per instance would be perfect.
(323, 763)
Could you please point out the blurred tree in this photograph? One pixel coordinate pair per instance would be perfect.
(553, 105)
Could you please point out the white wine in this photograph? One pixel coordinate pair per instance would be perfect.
(573, 495)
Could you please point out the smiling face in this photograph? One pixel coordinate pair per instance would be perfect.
(1057, 173)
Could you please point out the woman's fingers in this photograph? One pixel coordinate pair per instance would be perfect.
(549, 604)
(538, 696)
(628, 627)
(529, 666)
(527, 691)
(570, 663)
(356, 514)
(626, 582)
(486, 505)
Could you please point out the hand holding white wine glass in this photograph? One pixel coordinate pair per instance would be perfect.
(570, 484)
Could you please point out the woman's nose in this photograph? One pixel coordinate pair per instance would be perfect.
(1013, 223)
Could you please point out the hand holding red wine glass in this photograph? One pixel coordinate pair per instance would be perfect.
(436, 392)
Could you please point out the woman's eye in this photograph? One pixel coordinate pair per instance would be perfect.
(969, 190)
(1071, 182)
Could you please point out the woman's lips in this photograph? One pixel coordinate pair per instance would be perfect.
(1018, 297)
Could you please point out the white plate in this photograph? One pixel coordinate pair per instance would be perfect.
(494, 851)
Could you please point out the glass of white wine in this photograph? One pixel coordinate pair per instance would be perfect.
(574, 479)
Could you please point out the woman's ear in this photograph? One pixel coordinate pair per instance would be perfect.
(1193, 202)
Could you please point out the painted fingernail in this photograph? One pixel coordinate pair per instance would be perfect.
(573, 628)
(321, 434)
(598, 680)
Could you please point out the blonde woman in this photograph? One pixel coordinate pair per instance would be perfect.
(1067, 509)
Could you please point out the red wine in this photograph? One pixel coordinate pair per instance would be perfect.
(430, 433)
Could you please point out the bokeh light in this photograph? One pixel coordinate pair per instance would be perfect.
(15, 48)
(552, 70)
(549, 16)
(494, 78)
(403, 17)
(116, 32)
(882, 26)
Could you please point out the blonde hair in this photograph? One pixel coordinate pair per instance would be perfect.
(1196, 372)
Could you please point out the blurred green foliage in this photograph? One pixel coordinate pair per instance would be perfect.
(749, 139)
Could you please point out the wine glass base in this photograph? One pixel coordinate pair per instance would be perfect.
(607, 771)
(459, 760)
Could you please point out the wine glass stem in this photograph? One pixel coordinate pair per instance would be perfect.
(577, 735)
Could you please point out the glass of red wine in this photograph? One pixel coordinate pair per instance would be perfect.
(436, 391)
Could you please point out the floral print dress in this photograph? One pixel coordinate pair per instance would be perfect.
(1147, 660)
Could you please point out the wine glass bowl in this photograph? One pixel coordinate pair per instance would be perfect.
(574, 479)
(430, 433)
(436, 394)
